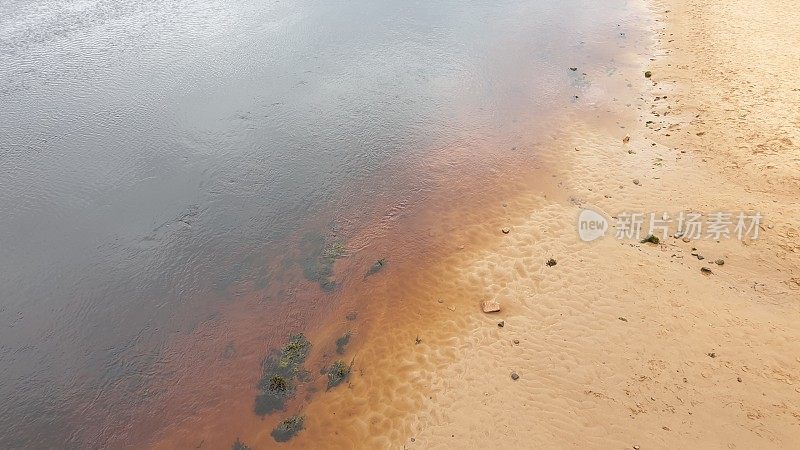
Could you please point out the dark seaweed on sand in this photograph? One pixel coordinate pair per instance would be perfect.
(319, 257)
(288, 428)
(342, 342)
(338, 372)
(280, 370)
(377, 267)
(239, 445)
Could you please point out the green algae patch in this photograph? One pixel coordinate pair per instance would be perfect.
(338, 372)
(280, 372)
(341, 343)
(319, 258)
(288, 428)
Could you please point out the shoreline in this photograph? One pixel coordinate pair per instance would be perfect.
(629, 344)
(586, 376)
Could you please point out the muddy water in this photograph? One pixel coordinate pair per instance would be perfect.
(172, 174)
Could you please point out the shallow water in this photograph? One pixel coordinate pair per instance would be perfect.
(171, 171)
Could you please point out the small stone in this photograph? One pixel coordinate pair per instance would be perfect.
(573, 69)
(622, 319)
(705, 271)
(700, 257)
(636, 181)
(440, 301)
(516, 341)
(506, 230)
(514, 376)
(501, 324)
(551, 262)
(648, 74)
(686, 239)
(712, 354)
(626, 139)
(490, 306)
(720, 262)
(739, 379)
(635, 447)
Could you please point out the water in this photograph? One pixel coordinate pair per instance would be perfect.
(162, 164)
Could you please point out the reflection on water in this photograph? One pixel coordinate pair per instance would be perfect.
(167, 167)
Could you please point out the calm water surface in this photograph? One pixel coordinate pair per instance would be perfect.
(159, 159)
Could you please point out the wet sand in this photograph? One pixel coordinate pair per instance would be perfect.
(620, 343)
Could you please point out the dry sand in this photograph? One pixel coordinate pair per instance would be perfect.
(620, 344)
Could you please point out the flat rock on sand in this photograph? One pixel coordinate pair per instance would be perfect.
(489, 306)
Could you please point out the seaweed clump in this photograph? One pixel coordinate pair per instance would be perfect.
(342, 342)
(279, 370)
(319, 260)
(338, 373)
(651, 239)
(377, 267)
(239, 445)
(288, 428)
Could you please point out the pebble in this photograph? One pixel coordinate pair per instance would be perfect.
(514, 376)
(516, 341)
(501, 324)
(686, 239)
(739, 379)
(506, 230)
(720, 262)
(706, 271)
(636, 181)
(626, 139)
(701, 257)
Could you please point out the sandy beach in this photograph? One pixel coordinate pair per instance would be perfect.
(619, 344)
